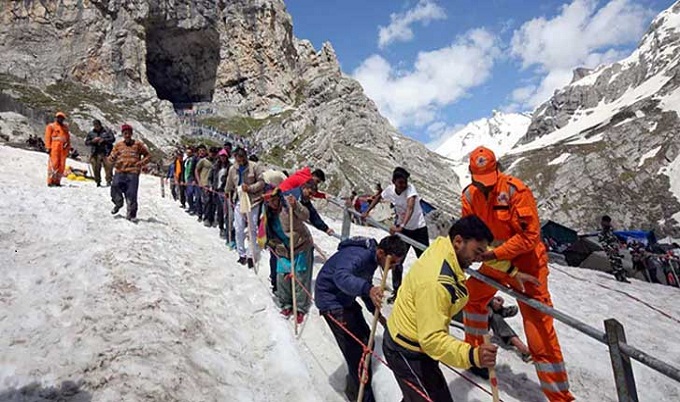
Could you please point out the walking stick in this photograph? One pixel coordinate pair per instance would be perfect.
(162, 187)
(321, 253)
(292, 266)
(374, 327)
(492, 375)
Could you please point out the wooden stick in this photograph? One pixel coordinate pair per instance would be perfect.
(374, 327)
(321, 253)
(292, 266)
(492, 375)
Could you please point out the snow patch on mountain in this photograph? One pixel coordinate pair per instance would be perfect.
(500, 132)
(560, 159)
(649, 154)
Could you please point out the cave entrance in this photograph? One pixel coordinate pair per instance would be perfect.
(182, 64)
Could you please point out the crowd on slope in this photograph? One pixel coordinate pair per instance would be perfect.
(256, 208)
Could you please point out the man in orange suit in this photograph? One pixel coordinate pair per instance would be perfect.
(58, 144)
(508, 208)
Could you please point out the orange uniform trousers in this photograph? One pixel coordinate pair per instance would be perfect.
(56, 163)
(538, 327)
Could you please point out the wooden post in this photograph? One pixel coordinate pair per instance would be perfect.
(374, 327)
(623, 371)
(293, 282)
(492, 375)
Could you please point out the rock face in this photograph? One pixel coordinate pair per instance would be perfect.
(608, 143)
(135, 59)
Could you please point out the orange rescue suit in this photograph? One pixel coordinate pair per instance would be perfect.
(58, 143)
(510, 211)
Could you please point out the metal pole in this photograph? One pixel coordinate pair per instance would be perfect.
(640, 356)
(346, 223)
(623, 371)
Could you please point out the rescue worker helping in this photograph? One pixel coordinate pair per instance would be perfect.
(508, 208)
(58, 144)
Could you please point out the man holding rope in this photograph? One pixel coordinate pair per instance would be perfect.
(417, 335)
(346, 275)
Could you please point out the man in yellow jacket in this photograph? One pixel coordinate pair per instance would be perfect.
(417, 335)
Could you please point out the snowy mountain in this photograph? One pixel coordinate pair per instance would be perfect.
(608, 143)
(499, 132)
(97, 308)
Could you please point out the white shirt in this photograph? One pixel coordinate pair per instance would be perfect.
(400, 202)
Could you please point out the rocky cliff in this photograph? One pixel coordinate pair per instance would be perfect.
(608, 143)
(133, 60)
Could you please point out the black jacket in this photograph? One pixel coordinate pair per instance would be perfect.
(104, 147)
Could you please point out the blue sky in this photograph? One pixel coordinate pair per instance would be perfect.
(434, 65)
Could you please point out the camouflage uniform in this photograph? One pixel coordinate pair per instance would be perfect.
(610, 244)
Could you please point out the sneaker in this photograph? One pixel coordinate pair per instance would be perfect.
(232, 245)
(223, 234)
(526, 357)
(99, 184)
(251, 263)
(480, 372)
(116, 209)
(200, 219)
(300, 318)
(242, 260)
(207, 224)
(287, 312)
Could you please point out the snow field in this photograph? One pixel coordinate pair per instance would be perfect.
(160, 310)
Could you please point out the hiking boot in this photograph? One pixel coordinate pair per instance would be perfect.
(480, 372)
(300, 318)
(116, 209)
(251, 263)
(392, 298)
(242, 260)
(287, 312)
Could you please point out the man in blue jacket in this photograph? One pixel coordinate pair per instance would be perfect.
(346, 275)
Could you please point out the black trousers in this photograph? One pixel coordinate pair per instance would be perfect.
(417, 369)
(219, 209)
(124, 187)
(353, 320)
(420, 235)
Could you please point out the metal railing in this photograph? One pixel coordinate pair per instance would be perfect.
(614, 336)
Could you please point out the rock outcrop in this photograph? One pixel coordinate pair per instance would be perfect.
(134, 59)
(608, 143)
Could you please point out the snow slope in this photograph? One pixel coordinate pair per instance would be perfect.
(500, 132)
(161, 311)
(153, 311)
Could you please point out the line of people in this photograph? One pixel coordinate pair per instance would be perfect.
(499, 227)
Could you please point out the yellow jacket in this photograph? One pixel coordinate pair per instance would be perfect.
(433, 292)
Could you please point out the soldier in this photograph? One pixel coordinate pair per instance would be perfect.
(611, 246)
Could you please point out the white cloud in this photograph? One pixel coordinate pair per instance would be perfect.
(399, 29)
(581, 35)
(438, 78)
(438, 132)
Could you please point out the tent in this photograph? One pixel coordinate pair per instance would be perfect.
(426, 207)
(560, 234)
(643, 236)
(579, 251)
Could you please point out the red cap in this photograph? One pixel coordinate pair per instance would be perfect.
(125, 127)
(61, 114)
(483, 166)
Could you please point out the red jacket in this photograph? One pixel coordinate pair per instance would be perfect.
(296, 180)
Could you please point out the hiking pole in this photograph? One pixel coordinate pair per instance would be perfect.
(374, 327)
(321, 253)
(492, 374)
(292, 266)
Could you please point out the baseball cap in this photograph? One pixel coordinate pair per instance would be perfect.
(223, 152)
(61, 114)
(483, 166)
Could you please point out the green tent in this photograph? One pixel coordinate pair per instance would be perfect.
(560, 234)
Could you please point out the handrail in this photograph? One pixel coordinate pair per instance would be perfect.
(642, 357)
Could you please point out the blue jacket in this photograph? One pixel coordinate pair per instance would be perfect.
(348, 274)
